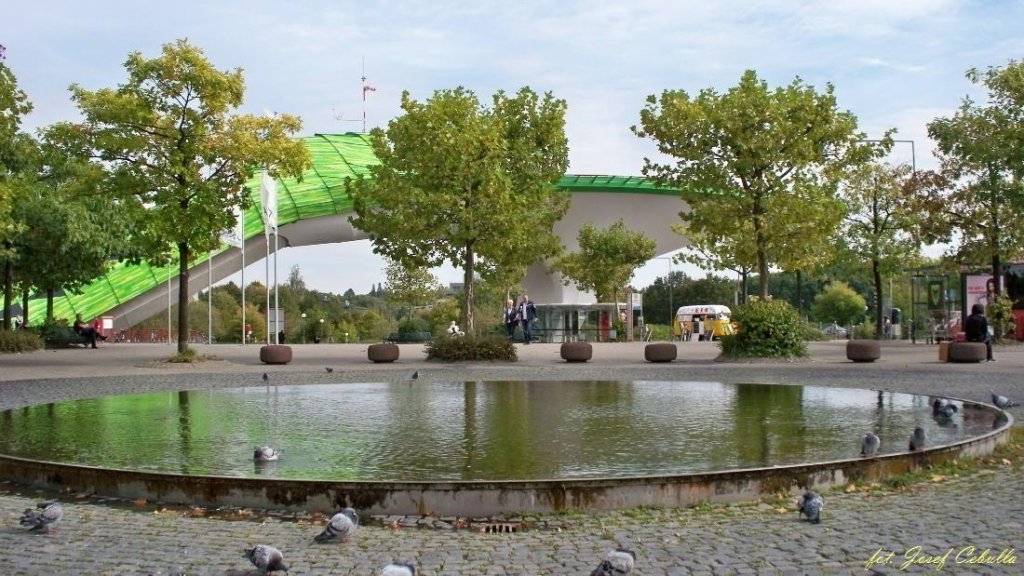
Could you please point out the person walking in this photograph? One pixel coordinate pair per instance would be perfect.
(527, 313)
(976, 330)
(511, 318)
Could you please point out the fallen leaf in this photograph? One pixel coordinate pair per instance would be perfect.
(1006, 462)
(140, 502)
(851, 488)
(938, 478)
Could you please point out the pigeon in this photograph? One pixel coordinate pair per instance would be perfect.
(1002, 401)
(917, 439)
(340, 528)
(810, 505)
(266, 378)
(397, 568)
(265, 454)
(943, 408)
(415, 375)
(266, 559)
(329, 369)
(869, 444)
(618, 561)
(44, 518)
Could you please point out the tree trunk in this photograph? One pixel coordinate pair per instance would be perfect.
(183, 255)
(24, 307)
(799, 294)
(49, 305)
(876, 277)
(8, 292)
(467, 290)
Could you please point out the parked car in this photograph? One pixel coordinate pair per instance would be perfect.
(833, 330)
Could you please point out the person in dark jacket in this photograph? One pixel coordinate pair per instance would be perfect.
(976, 329)
(527, 314)
(511, 319)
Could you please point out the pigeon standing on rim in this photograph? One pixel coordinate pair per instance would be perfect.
(266, 378)
(415, 375)
(265, 454)
(917, 439)
(44, 518)
(618, 561)
(1002, 401)
(810, 505)
(329, 369)
(266, 559)
(397, 568)
(340, 528)
(869, 444)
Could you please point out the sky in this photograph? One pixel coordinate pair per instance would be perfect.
(894, 64)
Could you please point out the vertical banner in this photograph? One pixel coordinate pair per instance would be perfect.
(268, 193)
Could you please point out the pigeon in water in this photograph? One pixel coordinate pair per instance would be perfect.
(340, 528)
(329, 369)
(265, 454)
(618, 561)
(1002, 401)
(44, 518)
(266, 559)
(869, 444)
(943, 408)
(266, 378)
(917, 439)
(397, 568)
(810, 505)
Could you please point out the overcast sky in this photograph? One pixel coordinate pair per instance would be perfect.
(894, 63)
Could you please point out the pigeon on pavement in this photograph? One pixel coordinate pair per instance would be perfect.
(266, 559)
(810, 505)
(44, 518)
(616, 562)
(340, 528)
(1003, 402)
(397, 568)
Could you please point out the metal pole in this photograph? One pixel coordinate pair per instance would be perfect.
(168, 305)
(266, 265)
(243, 285)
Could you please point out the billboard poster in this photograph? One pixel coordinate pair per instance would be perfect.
(980, 289)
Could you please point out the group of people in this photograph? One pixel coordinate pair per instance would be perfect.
(87, 331)
(523, 314)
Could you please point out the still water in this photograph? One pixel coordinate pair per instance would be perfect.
(475, 430)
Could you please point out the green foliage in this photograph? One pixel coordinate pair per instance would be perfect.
(468, 347)
(758, 169)
(414, 286)
(1000, 315)
(865, 331)
(838, 303)
(686, 291)
(606, 259)
(186, 356)
(19, 341)
(766, 329)
(172, 143)
(411, 324)
(466, 184)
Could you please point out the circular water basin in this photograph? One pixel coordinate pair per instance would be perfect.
(477, 431)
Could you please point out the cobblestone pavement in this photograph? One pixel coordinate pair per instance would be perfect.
(949, 520)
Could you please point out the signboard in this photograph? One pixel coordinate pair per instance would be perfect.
(981, 289)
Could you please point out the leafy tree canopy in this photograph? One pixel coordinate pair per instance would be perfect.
(467, 184)
(606, 259)
(757, 167)
(838, 303)
(171, 139)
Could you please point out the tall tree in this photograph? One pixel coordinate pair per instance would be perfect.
(756, 166)
(170, 137)
(467, 184)
(980, 152)
(411, 286)
(879, 223)
(606, 259)
(17, 161)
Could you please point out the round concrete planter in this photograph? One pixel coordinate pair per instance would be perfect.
(660, 352)
(275, 354)
(382, 352)
(967, 352)
(577, 351)
(863, 350)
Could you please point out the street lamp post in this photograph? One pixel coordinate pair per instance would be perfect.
(321, 337)
(303, 327)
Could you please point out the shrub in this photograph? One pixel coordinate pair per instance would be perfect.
(471, 348)
(412, 324)
(865, 330)
(19, 341)
(767, 329)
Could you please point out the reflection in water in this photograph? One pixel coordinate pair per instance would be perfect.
(475, 430)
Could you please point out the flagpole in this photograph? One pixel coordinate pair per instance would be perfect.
(243, 277)
(364, 94)
(266, 264)
(209, 299)
(277, 304)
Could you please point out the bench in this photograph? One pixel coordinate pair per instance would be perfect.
(65, 338)
(409, 337)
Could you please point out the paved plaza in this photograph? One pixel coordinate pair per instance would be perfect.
(949, 521)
